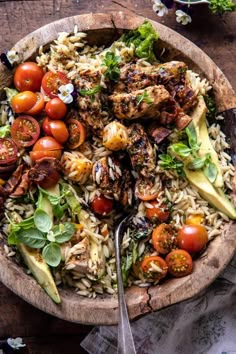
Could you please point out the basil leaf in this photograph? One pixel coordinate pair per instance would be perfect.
(12, 238)
(52, 254)
(42, 220)
(58, 210)
(27, 223)
(64, 232)
(181, 149)
(210, 172)
(196, 164)
(54, 200)
(31, 237)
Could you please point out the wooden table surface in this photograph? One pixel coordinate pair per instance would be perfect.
(43, 333)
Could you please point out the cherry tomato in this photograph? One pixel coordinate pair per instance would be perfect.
(39, 105)
(102, 205)
(194, 219)
(77, 133)
(23, 101)
(192, 238)
(56, 108)
(154, 267)
(58, 130)
(37, 155)
(46, 127)
(163, 238)
(28, 77)
(50, 180)
(8, 151)
(179, 263)
(145, 189)
(158, 212)
(25, 130)
(52, 81)
(47, 143)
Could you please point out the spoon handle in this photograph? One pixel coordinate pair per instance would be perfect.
(125, 337)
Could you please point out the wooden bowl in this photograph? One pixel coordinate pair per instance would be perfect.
(102, 29)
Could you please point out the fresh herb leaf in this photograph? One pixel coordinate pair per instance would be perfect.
(42, 221)
(58, 210)
(91, 92)
(196, 164)
(5, 131)
(192, 135)
(181, 149)
(222, 6)
(210, 171)
(31, 237)
(168, 162)
(144, 97)
(12, 238)
(64, 232)
(52, 254)
(112, 61)
(211, 106)
(54, 200)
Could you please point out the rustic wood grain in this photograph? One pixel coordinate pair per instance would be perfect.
(104, 309)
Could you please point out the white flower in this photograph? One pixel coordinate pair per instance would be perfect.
(182, 17)
(12, 56)
(159, 8)
(65, 93)
(16, 343)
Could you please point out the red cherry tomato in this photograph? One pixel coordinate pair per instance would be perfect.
(163, 238)
(145, 189)
(37, 155)
(157, 212)
(28, 77)
(47, 143)
(77, 133)
(154, 267)
(52, 81)
(8, 151)
(56, 108)
(25, 130)
(23, 101)
(46, 126)
(179, 263)
(39, 105)
(58, 130)
(102, 205)
(192, 238)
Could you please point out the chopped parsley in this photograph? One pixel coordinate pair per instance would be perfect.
(112, 61)
(144, 97)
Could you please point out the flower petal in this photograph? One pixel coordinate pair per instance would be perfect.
(67, 99)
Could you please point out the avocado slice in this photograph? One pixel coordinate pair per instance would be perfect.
(40, 270)
(199, 121)
(214, 196)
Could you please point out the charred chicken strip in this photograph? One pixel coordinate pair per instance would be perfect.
(140, 150)
(141, 103)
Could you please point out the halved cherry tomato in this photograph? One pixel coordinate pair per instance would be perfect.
(46, 126)
(25, 130)
(59, 130)
(145, 189)
(47, 143)
(39, 105)
(23, 101)
(157, 211)
(37, 155)
(179, 263)
(8, 151)
(77, 133)
(154, 267)
(102, 205)
(28, 76)
(192, 238)
(52, 81)
(56, 108)
(163, 238)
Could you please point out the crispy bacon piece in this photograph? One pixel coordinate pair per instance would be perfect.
(43, 168)
(157, 132)
(14, 180)
(23, 186)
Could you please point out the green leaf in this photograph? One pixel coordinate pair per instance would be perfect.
(168, 162)
(12, 238)
(5, 131)
(181, 149)
(222, 6)
(52, 254)
(58, 210)
(54, 200)
(71, 199)
(112, 61)
(210, 171)
(64, 232)
(143, 97)
(196, 164)
(31, 237)
(42, 220)
(90, 92)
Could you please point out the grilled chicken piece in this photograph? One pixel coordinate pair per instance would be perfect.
(135, 77)
(140, 150)
(113, 181)
(89, 104)
(141, 103)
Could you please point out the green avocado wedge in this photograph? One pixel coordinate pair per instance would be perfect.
(40, 270)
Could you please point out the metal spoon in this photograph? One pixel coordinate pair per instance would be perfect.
(125, 337)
